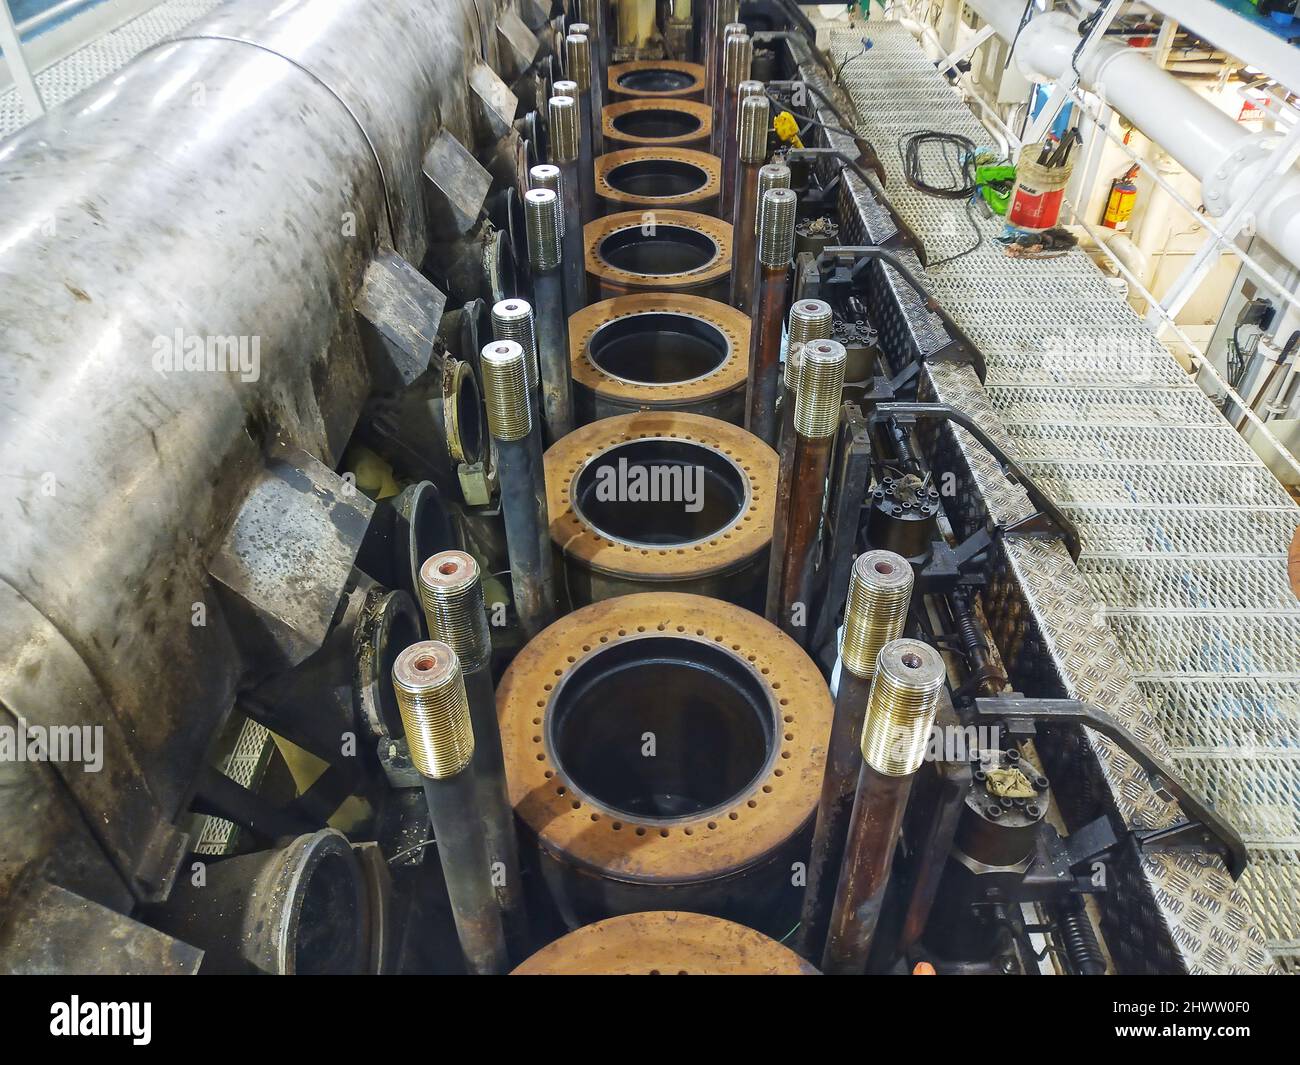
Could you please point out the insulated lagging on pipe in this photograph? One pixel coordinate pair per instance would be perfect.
(775, 248)
(546, 237)
(435, 713)
(451, 594)
(737, 57)
(816, 419)
(565, 130)
(809, 320)
(520, 471)
(900, 713)
(875, 612)
(577, 51)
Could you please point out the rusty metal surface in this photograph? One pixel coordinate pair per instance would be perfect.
(729, 377)
(692, 91)
(762, 819)
(738, 543)
(615, 281)
(665, 942)
(690, 109)
(703, 198)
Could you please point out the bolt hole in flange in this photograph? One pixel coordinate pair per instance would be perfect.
(711, 720)
(658, 349)
(699, 491)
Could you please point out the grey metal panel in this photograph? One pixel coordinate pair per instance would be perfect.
(1178, 619)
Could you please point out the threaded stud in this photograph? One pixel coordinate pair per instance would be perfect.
(776, 226)
(901, 707)
(451, 593)
(751, 130)
(513, 320)
(809, 320)
(505, 388)
(542, 221)
(737, 57)
(435, 709)
(577, 60)
(880, 590)
(562, 112)
(819, 389)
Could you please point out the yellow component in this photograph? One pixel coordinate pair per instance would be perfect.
(374, 475)
(1010, 784)
(787, 129)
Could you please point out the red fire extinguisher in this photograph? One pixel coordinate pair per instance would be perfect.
(1119, 204)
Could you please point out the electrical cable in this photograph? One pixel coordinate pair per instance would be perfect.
(958, 154)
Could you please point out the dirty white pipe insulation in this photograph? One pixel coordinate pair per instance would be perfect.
(1207, 142)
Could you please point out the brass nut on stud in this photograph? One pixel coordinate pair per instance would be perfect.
(435, 709)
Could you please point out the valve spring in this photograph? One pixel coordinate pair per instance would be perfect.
(505, 388)
(819, 389)
(880, 589)
(1079, 939)
(901, 707)
(542, 218)
(513, 320)
(435, 709)
(451, 593)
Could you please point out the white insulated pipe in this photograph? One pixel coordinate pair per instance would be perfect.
(1184, 123)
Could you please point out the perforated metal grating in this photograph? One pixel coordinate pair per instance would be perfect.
(1184, 532)
(95, 61)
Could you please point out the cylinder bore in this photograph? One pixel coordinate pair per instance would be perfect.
(670, 352)
(669, 250)
(659, 499)
(736, 716)
(667, 123)
(658, 177)
(665, 942)
(656, 79)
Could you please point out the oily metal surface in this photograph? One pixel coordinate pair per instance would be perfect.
(689, 109)
(699, 198)
(760, 820)
(731, 547)
(691, 91)
(712, 272)
(727, 377)
(1176, 620)
(665, 942)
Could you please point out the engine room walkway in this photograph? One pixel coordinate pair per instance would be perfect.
(1188, 554)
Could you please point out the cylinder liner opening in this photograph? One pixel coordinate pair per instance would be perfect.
(654, 123)
(706, 718)
(655, 79)
(659, 178)
(668, 250)
(660, 348)
(659, 492)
